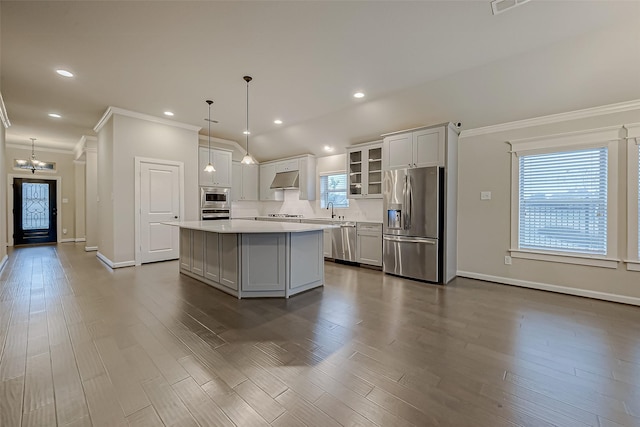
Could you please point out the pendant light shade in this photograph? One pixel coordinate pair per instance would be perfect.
(33, 164)
(247, 159)
(209, 168)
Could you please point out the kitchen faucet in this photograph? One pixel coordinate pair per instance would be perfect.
(332, 214)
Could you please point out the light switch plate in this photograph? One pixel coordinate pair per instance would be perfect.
(485, 195)
(65, 200)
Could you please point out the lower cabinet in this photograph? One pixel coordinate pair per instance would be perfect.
(229, 260)
(185, 249)
(197, 252)
(327, 244)
(369, 244)
(264, 262)
(212, 260)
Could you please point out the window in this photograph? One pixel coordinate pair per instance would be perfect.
(563, 201)
(564, 198)
(333, 188)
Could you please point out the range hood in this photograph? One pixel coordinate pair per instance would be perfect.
(285, 180)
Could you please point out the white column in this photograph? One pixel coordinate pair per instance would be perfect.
(80, 200)
(91, 196)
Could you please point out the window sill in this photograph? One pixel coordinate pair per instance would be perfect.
(632, 265)
(564, 258)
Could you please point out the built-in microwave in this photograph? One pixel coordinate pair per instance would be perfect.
(215, 197)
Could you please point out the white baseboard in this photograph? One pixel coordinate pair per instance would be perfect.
(3, 262)
(66, 240)
(90, 248)
(80, 239)
(552, 288)
(112, 264)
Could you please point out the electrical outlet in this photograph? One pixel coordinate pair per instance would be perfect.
(64, 231)
(65, 200)
(485, 195)
(507, 260)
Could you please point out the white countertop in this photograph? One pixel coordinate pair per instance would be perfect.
(243, 226)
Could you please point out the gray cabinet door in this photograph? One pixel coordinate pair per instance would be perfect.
(229, 260)
(212, 257)
(185, 249)
(197, 252)
(263, 262)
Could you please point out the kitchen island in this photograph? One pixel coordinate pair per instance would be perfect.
(253, 259)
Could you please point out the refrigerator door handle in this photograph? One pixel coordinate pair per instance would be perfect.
(409, 240)
(408, 203)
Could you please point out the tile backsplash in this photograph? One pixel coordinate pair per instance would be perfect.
(358, 210)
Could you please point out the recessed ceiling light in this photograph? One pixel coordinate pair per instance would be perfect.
(55, 115)
(246, 132)
(277, 121)
(358, 95)
(328, 148)
(168, 113)
(64, 73)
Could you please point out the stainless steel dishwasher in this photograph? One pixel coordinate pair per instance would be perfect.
(344, 241)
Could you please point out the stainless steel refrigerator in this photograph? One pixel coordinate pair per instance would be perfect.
(413, 203)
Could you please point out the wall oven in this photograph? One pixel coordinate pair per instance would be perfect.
(214, 214)
(215, 197)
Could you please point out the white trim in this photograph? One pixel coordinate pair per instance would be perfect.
(80, 239)
(338, 172)
(632, 200)
(554, 118)
(3, 262)
(138, 161)
(112, 264)
(4, 117)
(71, 240)
(439, 125)
(90, 248)
(632, 264)
(566, 258)
(552, 288)
(361, 145)
(633, 131)
(584, 138)
(203, 141)
(141, 116)
(81, 145)
(10, 178)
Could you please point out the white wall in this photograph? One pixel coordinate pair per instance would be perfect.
(133, 137)
(358, 210)
(80, 200)
(484, 226)
(3, 199)
(105, 190)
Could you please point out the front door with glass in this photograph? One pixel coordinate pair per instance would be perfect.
(34, 211)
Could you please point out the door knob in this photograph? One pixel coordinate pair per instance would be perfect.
(175, 217)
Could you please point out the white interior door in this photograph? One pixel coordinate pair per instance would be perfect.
(159, 202)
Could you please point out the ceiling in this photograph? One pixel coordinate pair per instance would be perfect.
(418, 62)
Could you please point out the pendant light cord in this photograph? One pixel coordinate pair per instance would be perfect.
(247, 115)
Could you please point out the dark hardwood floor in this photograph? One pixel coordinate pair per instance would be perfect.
(83, 345)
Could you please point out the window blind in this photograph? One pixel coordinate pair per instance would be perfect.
(333, 188)
(563, 201)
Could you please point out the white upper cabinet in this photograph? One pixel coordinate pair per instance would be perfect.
(364, 171)
(221, 160)
(287, 165)
(414, 149)
(245, 182)
(267, 173)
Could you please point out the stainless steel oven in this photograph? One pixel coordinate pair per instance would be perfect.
(214, 214)
(215, 197)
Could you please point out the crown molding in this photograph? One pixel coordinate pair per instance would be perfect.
(86, 143)
(40, 149)
(554, 118)
(633, 130)
(141, 116)
(4, 118)
(203, 140)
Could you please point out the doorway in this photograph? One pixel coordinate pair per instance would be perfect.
(34, 211)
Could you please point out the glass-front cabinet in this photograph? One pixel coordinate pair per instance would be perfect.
(364, 170)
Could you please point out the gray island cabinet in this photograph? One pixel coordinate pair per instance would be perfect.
(252, 258)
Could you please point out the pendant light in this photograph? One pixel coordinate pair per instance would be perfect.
(35, 164)
(247, 159)
(209, 168)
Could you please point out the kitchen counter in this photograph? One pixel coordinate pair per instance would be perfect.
(253, 258)
(244, 226)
